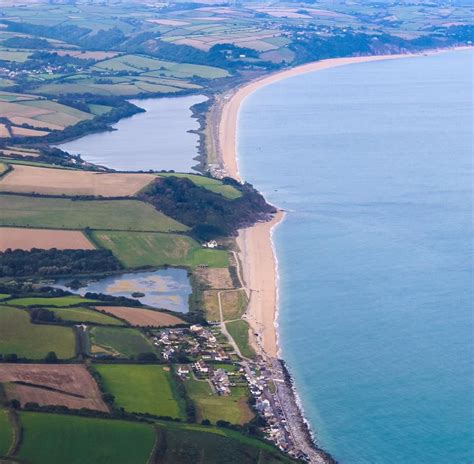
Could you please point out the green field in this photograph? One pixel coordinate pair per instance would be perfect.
(85, 315)
(142, 388)
(59, 213)
(233, 408)
(4, 296)
(17, 56)
(6, 433)
(158, 68)
(239, 330)
(140, 249)
(208, 183)
(59, 301)
(122, 342)
(99, 110)
(186, 444)
(18, 335)
(57, 439)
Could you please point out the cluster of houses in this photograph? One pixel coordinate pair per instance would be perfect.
(196, 342)
(13, 74)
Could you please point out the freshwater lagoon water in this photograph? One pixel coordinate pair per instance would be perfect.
(374, 163)
(164, 289)
(157, 139)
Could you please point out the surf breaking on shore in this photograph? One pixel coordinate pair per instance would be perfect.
(259, 263)
(257, 251)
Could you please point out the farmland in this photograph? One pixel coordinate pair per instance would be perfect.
(204, 445)
(50, 181)
(126, 343)
(18, 335)
(214, 185)
(26, 239)
(137, 250)
(239, 331)
(38, 113)
(142, 388)
(154, 67)
(233, 408)
(6, 432)
(56, 439)
(60, 301)
(68, 385)
(141, 317)
(60, 213)
(85, 315)
(233, 304)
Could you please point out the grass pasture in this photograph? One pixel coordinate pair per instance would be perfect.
(214, 185)
(57, 302)
(142, 388)
(233, 408)
(185, 444)
(239, 330)
(234, 304)
(60, 439)
(62, 213)
(85, 315)
(122, 342)
(154, 67)
(18, 335)
(140, 249)
(6, 432)
(50, 181)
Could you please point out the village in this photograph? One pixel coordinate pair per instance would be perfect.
(204, 354)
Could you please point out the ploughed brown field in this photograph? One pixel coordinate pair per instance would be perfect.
(142, 317)
(68, 385)
(49, 181)
(18, 238)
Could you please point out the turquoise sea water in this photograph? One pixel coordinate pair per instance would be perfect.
(374, 163)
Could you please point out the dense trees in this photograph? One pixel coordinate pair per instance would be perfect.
(209, 214)
(20, 263)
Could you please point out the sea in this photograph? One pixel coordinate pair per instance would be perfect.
(373, 163)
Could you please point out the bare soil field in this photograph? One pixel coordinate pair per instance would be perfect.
(22, 132)
(4, 132)
(19, 152)
(215, 277)
(68, 385)
(168, 22)
(9, 110)
(48, 181)
(141, 317)
(19, 120)
(18, 238)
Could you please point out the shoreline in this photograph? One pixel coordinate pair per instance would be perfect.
(257, 252)
(255, 264)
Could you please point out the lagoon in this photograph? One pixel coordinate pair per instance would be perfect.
(163, 289)
(158, 139)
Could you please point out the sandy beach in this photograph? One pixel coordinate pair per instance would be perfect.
(255, 243)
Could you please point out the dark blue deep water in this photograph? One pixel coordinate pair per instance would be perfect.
(374, 163)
